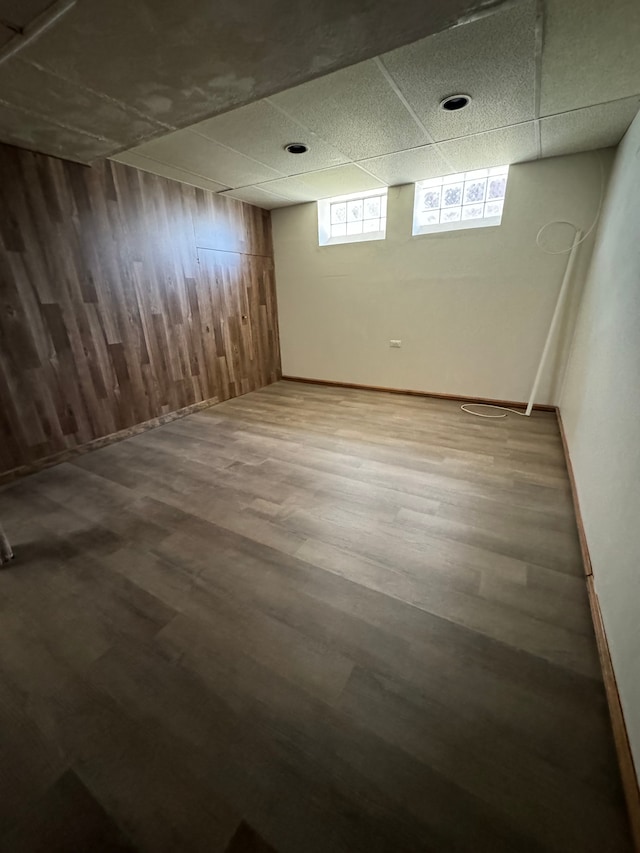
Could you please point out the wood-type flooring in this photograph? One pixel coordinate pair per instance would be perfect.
(306, 620)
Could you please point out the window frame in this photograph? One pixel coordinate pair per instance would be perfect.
(418, 230)
(324, 218)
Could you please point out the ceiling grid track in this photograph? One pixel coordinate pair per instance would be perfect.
(187, 171)
(97, 94)
(537, 90)
(36, 28)
(53, 123)
(405, 103)
(547, 78)
(308, 130)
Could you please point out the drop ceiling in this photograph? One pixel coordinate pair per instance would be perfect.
(546, 78)
(109, 75)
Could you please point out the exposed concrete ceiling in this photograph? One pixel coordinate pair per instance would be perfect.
(546, 78)
(109, 75)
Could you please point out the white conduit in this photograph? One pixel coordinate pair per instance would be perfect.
(564, 288)
(578, 238)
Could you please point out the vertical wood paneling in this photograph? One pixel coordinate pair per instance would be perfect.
(123, 296)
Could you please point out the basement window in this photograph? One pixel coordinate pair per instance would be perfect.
(352, 218)
(466, 200)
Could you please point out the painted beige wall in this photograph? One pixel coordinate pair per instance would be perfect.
(472, 308)
(600, 407)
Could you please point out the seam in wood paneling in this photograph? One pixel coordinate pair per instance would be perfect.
(109, 316)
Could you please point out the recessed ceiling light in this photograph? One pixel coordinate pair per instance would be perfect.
(296, 148)
(454, 102)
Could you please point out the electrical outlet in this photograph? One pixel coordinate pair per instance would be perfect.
(395, 344)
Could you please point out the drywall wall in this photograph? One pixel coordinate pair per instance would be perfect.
(472, 308)
(124, 296)
(600, 406)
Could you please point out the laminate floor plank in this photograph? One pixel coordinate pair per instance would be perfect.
(462, 748)
(151, 783)
(430, 669)
(307, 619)
(66, 819)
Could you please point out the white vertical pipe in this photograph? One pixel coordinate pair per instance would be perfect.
(564, 288)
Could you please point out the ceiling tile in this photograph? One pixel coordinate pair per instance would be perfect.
(22, 128)
(355, 110)
(259, 197)
(290, 188)
(590, 53)
(588, 128)
(405, 167)
(181, 62)
(44, 96)
(491, 59)
(131, 158)
(201, 156)
(316, 185)
(338, 181)
(261, 131)
(495, 148)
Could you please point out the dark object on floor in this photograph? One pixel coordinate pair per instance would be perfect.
(246, 840)
(66, 819)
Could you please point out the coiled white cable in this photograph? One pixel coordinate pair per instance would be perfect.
(505, 409)
(572, 224)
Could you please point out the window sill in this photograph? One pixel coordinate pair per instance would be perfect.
(354, 238)
(461, 225)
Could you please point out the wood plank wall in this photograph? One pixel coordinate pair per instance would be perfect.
(123, 296)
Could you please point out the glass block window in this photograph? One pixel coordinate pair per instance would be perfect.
(353, 218)
(466, 200)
